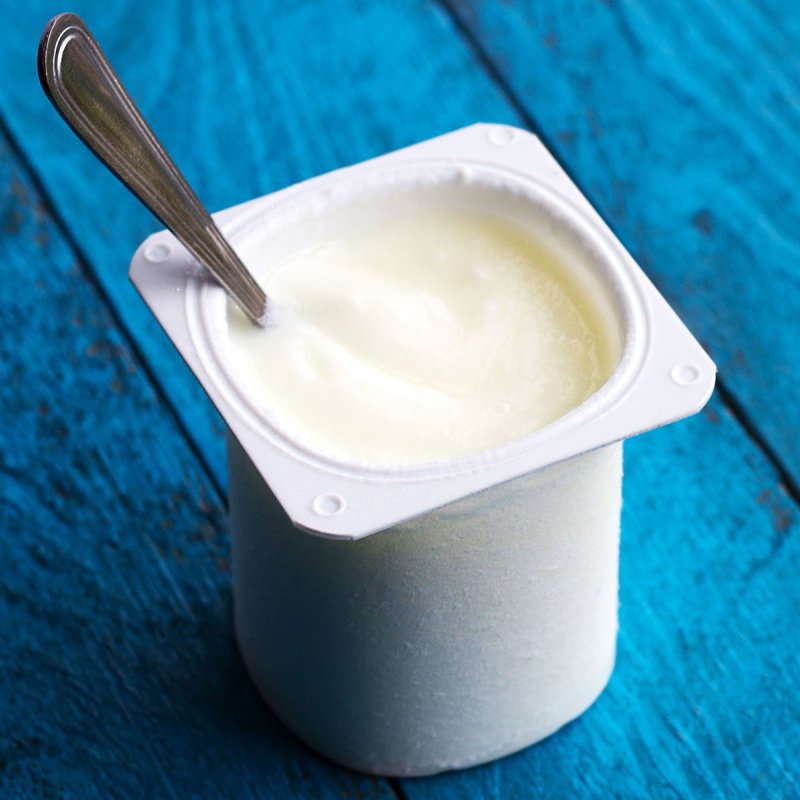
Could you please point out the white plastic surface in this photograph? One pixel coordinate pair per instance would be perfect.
(664, 376)
(446, 641)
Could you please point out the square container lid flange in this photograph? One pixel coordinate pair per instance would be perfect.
(664, 374)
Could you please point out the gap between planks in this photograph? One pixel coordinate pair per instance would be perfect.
(397, 787)
(89, 272)
(726, 395)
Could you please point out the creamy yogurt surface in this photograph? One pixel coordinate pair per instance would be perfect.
(432, 336)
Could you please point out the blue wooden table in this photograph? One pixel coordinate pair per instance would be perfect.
(118, 672)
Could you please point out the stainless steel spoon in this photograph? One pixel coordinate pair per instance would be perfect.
(81, 84)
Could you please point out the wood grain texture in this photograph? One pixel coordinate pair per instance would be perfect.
(679, 122)
(120, 677)
(124, 678)
(245, 106)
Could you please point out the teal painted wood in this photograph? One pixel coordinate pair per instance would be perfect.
(245, 106)
(120, 677)
(679, 120)
(702, 704)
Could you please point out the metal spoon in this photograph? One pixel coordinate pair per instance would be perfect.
(82, 86)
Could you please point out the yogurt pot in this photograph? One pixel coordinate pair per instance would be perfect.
(405, 619)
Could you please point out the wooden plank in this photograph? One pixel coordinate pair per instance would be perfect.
(680, 124)
(246, 107)
(401, 75)
(120, 677)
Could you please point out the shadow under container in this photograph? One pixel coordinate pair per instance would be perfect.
(412, 620)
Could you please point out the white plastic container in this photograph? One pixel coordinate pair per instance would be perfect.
(412, 620)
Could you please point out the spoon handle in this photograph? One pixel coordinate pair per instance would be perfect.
(81, 84)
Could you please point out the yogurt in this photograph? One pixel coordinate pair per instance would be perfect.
(444, 299)
(430, 336)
